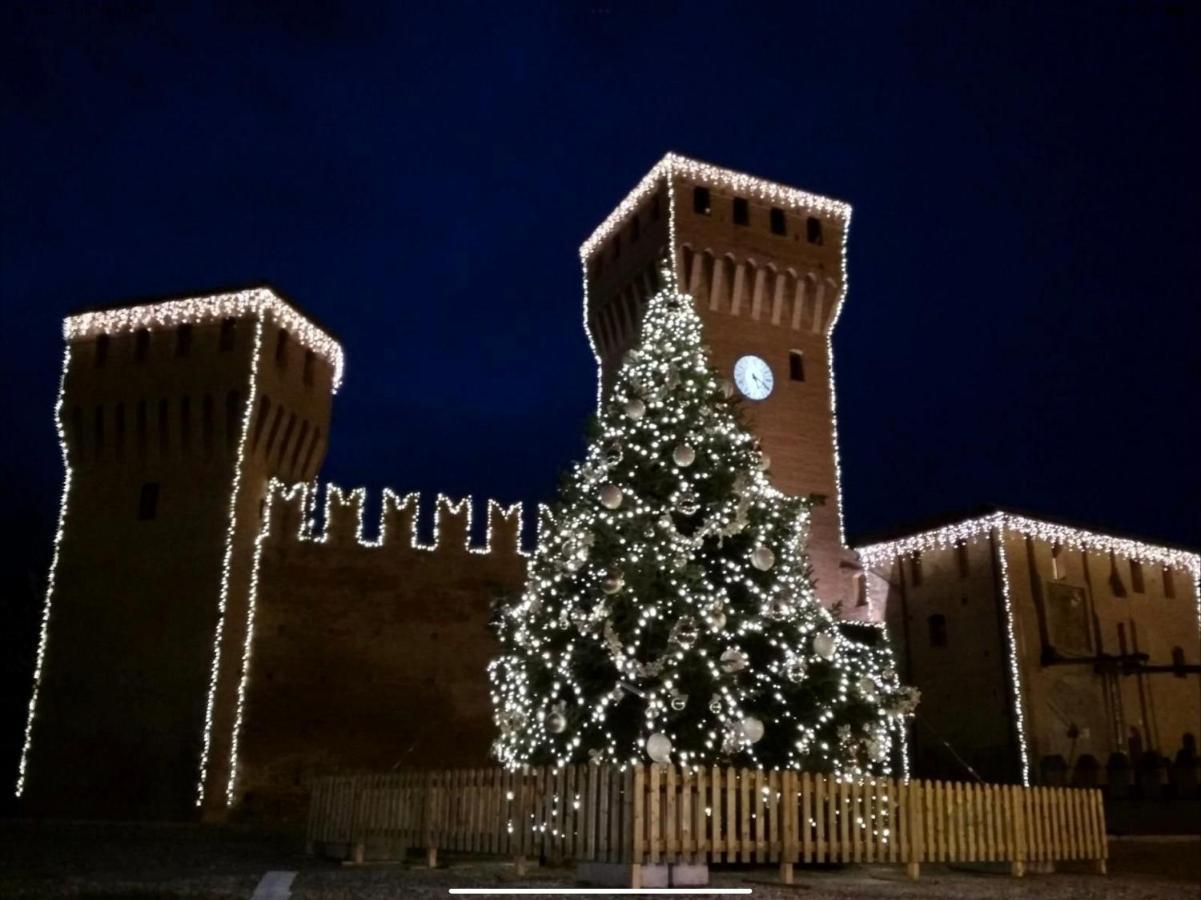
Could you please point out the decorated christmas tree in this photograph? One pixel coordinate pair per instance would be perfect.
(668, 612)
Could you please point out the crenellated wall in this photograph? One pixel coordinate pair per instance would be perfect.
(367, 655)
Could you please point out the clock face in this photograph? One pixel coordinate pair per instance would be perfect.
(753, 377)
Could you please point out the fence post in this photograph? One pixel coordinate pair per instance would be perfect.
(915, 830)
(787, 809)
(431, 848)
(1017, 811)
(637, 785)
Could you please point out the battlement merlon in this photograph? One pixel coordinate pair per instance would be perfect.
(674, 165)
(258, 302)
(288, 517)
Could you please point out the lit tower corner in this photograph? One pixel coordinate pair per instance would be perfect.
(766, 266)
(173, 416)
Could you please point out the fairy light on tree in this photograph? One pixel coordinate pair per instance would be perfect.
(668, 611)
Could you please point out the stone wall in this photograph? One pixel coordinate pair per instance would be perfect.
(368, 655)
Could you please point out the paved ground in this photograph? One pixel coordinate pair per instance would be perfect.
(176, 862)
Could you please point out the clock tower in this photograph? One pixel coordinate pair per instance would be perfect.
(765, 265)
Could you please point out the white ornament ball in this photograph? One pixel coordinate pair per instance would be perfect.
(715, 705)
(610, 496)
(556, 723)
(727, 388)
(795, 671)
(683, 455)
(614, 582)
(867, 688)
(762, 558)
(658, 747)
(635, 409)
(764, 461)
(717, 619)
(823, 646)
(752, 729)
(732, 660)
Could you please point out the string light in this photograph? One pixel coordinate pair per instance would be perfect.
(257, 302)
(1000, 523)
(44, 629)
(227, 562)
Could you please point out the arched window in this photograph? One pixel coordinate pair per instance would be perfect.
(778, 223)
(813, 230)
(228, 334)
(101, 350)
(938, 630)
(1178, 662)
(700, 200)
(742, 211)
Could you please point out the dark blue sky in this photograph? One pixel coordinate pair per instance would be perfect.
(1023, 313)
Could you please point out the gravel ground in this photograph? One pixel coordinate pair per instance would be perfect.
(166, 862)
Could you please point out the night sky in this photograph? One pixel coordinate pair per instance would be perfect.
(1025, 254)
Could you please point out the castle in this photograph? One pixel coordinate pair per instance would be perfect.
(207, 647)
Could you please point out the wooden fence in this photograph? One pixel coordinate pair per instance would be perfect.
(653, 814)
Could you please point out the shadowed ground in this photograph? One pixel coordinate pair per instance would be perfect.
(93, 860)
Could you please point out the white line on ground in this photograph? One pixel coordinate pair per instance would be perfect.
(274, 886)
(603, 892)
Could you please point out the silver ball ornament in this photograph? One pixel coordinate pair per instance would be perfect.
(635, 409)
(658, 747)
(752, 729)
(610, 496)
(556, 723)
(683, 456)
(762, 558)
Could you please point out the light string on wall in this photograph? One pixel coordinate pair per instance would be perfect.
(48, 604)
(227, 562)
(257, 302)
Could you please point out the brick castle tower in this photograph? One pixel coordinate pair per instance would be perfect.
(765, 265)
(173, 417)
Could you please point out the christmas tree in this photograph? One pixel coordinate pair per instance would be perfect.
(668, 611)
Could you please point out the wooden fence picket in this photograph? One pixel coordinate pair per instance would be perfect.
(654, 814)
